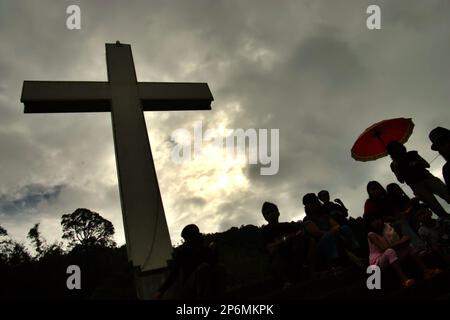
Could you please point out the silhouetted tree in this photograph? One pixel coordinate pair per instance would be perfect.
(40, 244)
(18, 254)
(12, 253)
(3, 245)
(85, 227)
(36, 239)
(3, 231)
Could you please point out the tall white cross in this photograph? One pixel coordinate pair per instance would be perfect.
(146, 232)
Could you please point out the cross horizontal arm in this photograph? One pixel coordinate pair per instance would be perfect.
(92, 96)
(166, 96)
(66, 96)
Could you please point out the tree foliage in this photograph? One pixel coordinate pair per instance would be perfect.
(40, 244)
(106, 271)
(87, 228)
(11, 252)
(36, 239)
(3, 231)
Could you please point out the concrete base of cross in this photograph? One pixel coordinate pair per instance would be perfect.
(147, 283)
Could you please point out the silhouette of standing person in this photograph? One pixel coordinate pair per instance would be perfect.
(412, 169)
(440, 137)
(194, 270)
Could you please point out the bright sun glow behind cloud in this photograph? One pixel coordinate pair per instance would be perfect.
(210, 175)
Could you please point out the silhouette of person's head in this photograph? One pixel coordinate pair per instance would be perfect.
(191, 233)
(270, 212)
(440, 137)
(311, 203)
(396, 150)
(324, 196)
(393, 189)
(375, 190)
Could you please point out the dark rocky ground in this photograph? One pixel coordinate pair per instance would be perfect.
(348, 285)
(107, 275)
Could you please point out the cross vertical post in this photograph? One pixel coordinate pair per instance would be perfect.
(139, 191)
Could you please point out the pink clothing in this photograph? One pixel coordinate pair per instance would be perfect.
(388, 257)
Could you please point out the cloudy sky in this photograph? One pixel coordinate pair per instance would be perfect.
(308, 68)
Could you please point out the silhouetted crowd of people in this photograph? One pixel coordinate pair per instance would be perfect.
(397, 228)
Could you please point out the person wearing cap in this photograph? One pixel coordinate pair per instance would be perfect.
(440, 138)
(194, 272)
(290, 249)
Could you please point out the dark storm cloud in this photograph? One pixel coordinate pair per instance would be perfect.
(330, 59)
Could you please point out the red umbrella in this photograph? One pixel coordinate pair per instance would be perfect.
(371, 144)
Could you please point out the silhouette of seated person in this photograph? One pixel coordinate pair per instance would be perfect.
(400, 202)
(331, 238)
(402, 208)
(389, 249)
(336, 209)
(290, 250)
(434, 232)
(378, 203)
(194, 272)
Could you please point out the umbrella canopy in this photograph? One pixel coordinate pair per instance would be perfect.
(371, 144)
